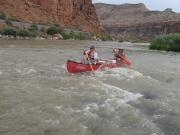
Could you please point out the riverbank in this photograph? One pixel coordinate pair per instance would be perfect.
(170, 42)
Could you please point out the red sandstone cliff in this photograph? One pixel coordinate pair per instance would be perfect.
(69, 13)
(135, 22)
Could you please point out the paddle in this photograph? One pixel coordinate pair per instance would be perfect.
(124, 60)
(90, 63)
(127, 62)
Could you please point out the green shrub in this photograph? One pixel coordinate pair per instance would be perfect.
(9, 31)
(8, 22)
(21, 33)
(80, 36)
(2, 15)
(54, 30)
(34, 34)
(170, 42)
(33, 27)
(72, 35)
(65, 35)
(24, 33)
(106, 37)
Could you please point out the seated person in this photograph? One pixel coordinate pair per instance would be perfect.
(91, 55)
(119, 55)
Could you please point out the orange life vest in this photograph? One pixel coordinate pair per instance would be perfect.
(121, 56)
(90, 54)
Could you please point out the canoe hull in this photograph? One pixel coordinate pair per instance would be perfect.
(75, 67)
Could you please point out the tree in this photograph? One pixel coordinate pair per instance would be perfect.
(9, 31)
(24, 33)
(54, 30)
(33, 27)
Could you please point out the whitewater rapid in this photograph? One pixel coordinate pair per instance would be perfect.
(39, 96)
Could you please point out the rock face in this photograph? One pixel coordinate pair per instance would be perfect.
(134, 22)
(143, 32)
(2, 25)
(69, 13)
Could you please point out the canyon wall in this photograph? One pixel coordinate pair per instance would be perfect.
(143, 32)
(134, 22)
(79, 14)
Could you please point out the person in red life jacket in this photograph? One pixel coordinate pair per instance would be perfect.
(119, 55)
(91, 54)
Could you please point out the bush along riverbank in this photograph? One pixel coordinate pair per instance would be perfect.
(170, 42)
(52, 32)
(13, 29)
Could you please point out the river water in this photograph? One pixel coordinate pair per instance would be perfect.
(39, 97)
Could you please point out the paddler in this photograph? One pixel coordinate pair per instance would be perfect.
(119, 55)
(91, 54)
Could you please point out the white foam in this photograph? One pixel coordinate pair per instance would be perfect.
(0, 73)
(110, 100)
(86, 110)
(113, 97)
(25, 71)
(58, 108)
(106, 99)
(157, 116)
(52, 122)
(119, 73)
(119, 94)
(64, 66)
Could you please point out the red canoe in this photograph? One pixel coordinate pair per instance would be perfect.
(77, 67)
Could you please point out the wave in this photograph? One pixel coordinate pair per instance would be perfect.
(119, 73)
(117, 94)
(25, 71)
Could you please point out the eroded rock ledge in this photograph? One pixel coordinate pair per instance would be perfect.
(69, 13)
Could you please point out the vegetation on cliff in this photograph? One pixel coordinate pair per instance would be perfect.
(47, 32)
(54, 30)
(16, 32)
(107, 37)
(67, 35)
(2, 15)
(170, 42)
(17, 29)
(67, 13)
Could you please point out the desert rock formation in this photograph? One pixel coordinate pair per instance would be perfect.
(79, 14)
(134, 22)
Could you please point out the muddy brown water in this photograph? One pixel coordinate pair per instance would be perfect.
(39, 97)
